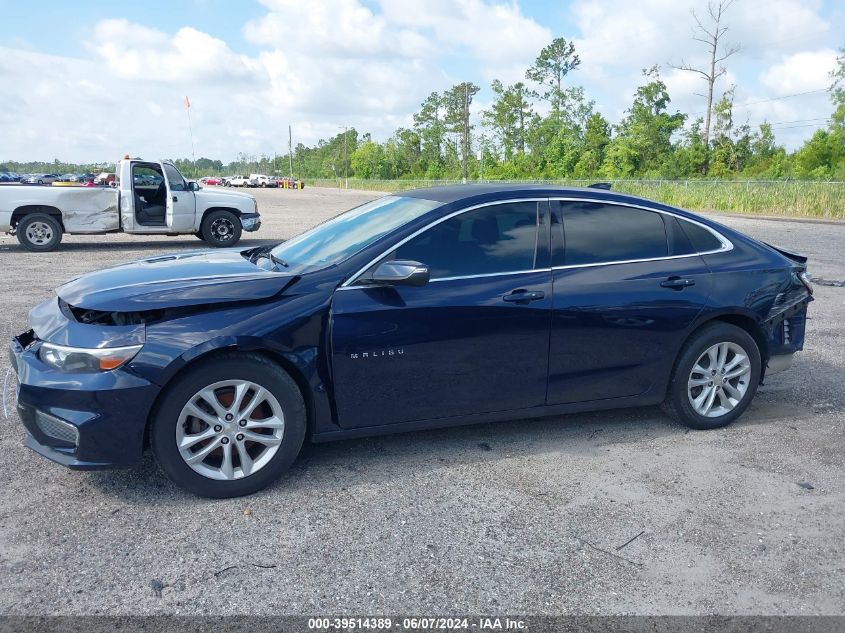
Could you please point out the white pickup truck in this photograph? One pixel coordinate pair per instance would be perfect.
(148, 198)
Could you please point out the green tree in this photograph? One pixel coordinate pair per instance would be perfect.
(457, 101)
(643, 143)
(554, 62)
(430, 126)
(508, 116)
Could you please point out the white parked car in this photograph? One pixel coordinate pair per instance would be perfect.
(150, 198)
(259, 180)
(237, 181)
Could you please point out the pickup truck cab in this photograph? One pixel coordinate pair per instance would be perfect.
(147, 198)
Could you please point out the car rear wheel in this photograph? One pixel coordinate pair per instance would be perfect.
(229, 427)
(221, 228)
(715, 377)
(39, 232)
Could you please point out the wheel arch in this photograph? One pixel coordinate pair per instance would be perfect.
(238, 213)
(745, 321)
(29, 209)
(276, 357)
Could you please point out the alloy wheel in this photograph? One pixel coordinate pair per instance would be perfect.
(222, 229)
(230, 429)
(719, 379)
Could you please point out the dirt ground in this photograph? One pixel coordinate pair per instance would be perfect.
(528, 517)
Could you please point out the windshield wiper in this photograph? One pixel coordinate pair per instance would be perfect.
(269, 255)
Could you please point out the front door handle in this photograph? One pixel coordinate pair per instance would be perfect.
(175, 199)
(677, 283)
(524, 296)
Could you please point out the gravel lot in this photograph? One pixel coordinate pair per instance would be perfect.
(520, 517)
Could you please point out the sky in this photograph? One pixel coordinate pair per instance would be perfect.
(93, 80)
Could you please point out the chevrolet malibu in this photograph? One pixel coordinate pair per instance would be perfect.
(432, 308)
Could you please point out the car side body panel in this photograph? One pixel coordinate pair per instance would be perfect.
(607, 333)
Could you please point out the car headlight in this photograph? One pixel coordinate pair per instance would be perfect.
(77, 359)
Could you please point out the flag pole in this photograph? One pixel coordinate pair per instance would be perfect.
(191, 133)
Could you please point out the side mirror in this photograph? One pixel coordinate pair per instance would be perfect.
(193, 186)
(401, 272)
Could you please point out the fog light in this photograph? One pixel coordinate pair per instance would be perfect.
(58, 429)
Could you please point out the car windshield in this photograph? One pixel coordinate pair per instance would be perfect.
(335, 240)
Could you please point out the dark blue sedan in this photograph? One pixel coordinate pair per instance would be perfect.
(432, 308)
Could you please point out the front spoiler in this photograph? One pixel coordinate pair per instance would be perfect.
(67, 459)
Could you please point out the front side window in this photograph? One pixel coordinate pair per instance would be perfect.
(598, 233)
(177, 183)
(493, 239)
(343, 236)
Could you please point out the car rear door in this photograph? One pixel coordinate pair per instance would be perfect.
(472, 340)
(627, 288)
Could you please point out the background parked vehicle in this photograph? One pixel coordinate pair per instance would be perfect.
(42, 179)
(238, 181)
(152, 198)
(258, 180)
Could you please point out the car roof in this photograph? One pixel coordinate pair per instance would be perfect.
(491, 191)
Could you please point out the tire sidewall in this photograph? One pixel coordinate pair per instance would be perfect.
(255, 369)
(20, 232)
(208, 236)
(692, 351)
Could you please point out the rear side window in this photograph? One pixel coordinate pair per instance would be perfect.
(701, 239)
(599, 233)
(493, 239)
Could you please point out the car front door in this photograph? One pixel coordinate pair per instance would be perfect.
(627, 288)
(181, 203)
(474, 339)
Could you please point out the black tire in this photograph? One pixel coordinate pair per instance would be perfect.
(39, 232)
(221, 228)
(677, 404)
(231, 366)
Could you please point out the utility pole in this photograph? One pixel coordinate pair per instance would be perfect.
(290, 151)
(345, 161)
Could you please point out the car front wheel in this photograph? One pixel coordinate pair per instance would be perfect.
(715, 377)
(221, 228)
(229, 427)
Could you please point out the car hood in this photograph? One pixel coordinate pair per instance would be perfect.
(222, 194)
(170, 281)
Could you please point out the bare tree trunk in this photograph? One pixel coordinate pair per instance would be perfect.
(710, 36)
(466, 129)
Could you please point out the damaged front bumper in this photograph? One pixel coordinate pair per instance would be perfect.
(85, 421)
(251, 221)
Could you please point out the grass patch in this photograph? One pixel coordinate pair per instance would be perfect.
(803, 199)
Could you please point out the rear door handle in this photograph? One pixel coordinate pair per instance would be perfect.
(677, 283)
(175, 199)
(524, 296)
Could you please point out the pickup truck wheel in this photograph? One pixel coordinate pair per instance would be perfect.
(229, 427)
(715, 378)
(39, 232)
(221, 228)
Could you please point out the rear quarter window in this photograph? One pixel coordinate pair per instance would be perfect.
(701, 239)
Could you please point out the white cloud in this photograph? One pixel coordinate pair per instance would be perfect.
(369, 63)
(800, 72)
